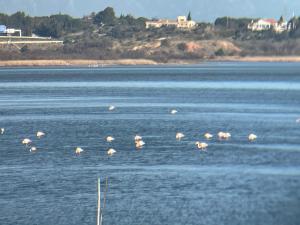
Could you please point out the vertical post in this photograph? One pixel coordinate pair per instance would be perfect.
(104, 200)
(99, 203)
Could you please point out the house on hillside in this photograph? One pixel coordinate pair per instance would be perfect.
(262, 24)
(268, 24)
(160, 23)
(181, 22)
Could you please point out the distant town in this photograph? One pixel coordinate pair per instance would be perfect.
(104, 35)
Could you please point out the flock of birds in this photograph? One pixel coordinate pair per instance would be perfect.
(139, 143)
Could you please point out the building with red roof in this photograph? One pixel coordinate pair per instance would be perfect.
(268, 24)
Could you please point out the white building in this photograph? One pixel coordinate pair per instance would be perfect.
(281, 27)
(268, 24)
(262, 24)
(181, 22)
(9, 31)
(160, 23)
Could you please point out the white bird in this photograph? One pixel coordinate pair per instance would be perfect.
(40, 134)
(174, 111)
(201, 145)
(33, 149)
(111, 152)
(26, 141)
(179, 136)
(2, 130)
(252, 137)
(138, 138)
(208, 136)
(78, 150)
(111, 108)
(223, 135)
(139, 144)
(109, 139)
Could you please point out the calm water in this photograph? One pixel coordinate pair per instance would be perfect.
(167, 182)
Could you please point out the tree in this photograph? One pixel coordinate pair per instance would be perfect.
(293, 23)
(281, 20)
(165, 43)
(239, 24)
(57, 25)
(131, 21)
(182, 46)
(17, 20)
(24, 49)
(220, 52)
(189, 18)
(107, 17)
(49, 27)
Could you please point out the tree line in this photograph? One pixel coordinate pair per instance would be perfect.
(124, 26)
(54, 25)
(59, 25)
(238, 28)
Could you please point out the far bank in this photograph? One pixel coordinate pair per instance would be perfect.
(132, 62)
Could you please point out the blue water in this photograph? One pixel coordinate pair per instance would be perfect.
(167, 182)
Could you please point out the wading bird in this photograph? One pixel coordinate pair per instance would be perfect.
(40, 134)
(139, 144)
(179, 136)
(174, 111)
(208, 136)
(252, 137)
(78, 150)
(26, 141)
(224, 136)
(138, 138)
(109, 139)
(32, 149)
(111, 152)
(201, 145)
(111, 108)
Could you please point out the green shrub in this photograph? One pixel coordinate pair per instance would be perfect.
(220, 52)
(24, 49)
(165, 43)
(182, 46)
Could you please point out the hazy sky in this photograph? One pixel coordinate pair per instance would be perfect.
(206, 10)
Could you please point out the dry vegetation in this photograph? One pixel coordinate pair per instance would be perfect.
(103, 36)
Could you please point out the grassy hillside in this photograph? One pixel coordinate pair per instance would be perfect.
(103, 35)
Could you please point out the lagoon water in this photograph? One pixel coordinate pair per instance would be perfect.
(167, 182)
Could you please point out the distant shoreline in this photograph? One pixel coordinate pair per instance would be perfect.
(75, 62)
(132, 62)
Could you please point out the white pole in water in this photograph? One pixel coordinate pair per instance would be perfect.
(104, 200)
(99, 203)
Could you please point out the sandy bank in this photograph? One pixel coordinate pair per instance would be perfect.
(261, 59)
(241, 59)
(95, 63)
(75, 62)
